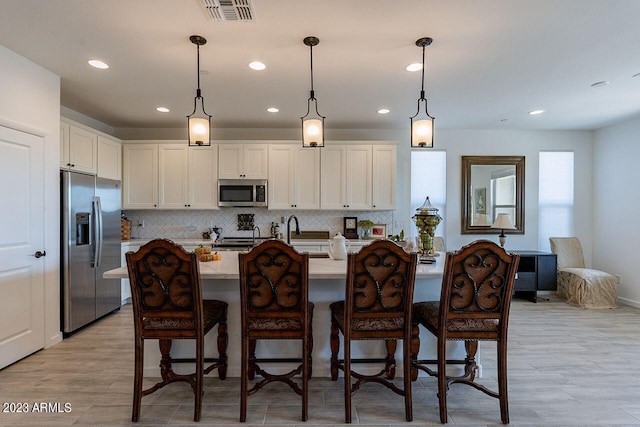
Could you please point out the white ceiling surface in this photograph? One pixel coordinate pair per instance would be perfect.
(490, 60)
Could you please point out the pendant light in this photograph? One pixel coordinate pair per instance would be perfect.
(199, 121)
(312, 122)
(422, 122)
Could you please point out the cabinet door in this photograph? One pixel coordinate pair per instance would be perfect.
(306, 181)
(281, 176)
(358, 175)
(384, 177)
(64, 145)
(109, 158)
(203, 177)
(140, 176)
(83, 150)
(230, 161)
(255, 161)
(173, 176)
(333, 177)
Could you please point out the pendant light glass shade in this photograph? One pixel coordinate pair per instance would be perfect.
(312, 122)
(422, 121)
(199, 122)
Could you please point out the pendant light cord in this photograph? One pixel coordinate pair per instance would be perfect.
(311, 56)
(198, 72)
(422, 90)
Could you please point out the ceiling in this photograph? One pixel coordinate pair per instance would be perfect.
(491, 61)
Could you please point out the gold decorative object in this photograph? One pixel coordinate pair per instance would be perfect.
(426, 219)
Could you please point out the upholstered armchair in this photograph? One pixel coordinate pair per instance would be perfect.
(580, 286)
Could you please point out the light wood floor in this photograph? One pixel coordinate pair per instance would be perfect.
(567, 366)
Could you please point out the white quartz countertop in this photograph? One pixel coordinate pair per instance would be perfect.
(319, 268)
(197, 242)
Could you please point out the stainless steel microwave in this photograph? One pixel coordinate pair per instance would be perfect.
(242, 192)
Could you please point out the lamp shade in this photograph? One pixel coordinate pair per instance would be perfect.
(199, 131)
(312, 132)
(503, 222)
(422, 131)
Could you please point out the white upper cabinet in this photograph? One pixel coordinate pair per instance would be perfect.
(78, 148)
(384, 177)
(109, 158)
(140, 176)
(346, 177)
(173, 163)
(243, 161)
(83, 149)
(203, 177)
(294, 177)
(170, 176)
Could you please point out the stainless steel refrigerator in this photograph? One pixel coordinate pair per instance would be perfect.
(90, 246)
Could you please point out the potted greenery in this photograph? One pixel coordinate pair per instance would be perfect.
(365, 225)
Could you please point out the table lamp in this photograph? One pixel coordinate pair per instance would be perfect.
(502, 223)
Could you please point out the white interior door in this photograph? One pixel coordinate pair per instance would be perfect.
(21, 236)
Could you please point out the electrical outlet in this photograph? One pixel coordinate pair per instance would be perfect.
(618, 279)
(141, 223)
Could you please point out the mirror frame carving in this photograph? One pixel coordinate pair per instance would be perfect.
(467, 162)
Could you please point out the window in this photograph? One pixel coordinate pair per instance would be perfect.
(429, 178)
(555, 196)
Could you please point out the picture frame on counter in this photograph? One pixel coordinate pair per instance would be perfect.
(379, 231)
(350, 227)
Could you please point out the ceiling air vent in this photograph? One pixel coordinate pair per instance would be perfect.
(229, 10)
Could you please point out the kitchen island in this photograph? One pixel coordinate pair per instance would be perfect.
(326, 285)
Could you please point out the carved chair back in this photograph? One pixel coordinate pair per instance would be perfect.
(477, 285)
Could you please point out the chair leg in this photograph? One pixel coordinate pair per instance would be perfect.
(502, 381)
(244, 378)
(415, 349)
(408, 369)
(390, 366)
(310, 344)
(306, 374)
(335, 348)
(223, 340)
(137, 380)
(347, 381)
(251, 373)
(165, 361)
(442, 379)
(198, 391)
(470, 361)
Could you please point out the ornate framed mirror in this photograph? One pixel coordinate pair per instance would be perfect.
(492, 185)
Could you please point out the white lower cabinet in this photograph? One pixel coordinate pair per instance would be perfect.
(294, 177)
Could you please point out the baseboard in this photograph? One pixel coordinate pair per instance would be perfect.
(55, 339)
(629, 302)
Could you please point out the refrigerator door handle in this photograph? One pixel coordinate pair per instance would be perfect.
(97, 206)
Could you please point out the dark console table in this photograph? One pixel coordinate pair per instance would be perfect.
(537, 271)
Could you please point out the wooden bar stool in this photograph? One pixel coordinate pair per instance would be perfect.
(377, 306)
(274, 295)
(167, 305)
(477, 286)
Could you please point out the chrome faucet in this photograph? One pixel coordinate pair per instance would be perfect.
(289, 228)
(254, 234)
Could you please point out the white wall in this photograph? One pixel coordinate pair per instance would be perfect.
(616, 177)
(30, 102)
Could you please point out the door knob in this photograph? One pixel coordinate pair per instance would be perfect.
(39, 254)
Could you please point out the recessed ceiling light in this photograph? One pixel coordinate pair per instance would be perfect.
(273, 109)
(162, 109)
(96, 63)
(257, 65)
(600, 84)
(383, 111)
(414, 67)
(535, 112)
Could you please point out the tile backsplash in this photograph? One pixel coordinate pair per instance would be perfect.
(187, 224)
